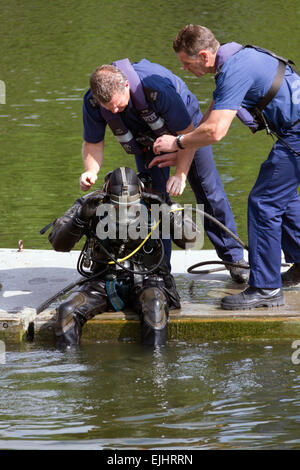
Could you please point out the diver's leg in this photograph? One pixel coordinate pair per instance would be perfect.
(154, 313)
(155, 297)
(80, 306)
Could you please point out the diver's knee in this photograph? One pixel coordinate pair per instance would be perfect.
(154, 312)
(68, 325)
(154, 307)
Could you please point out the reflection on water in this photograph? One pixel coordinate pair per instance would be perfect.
(206, 396)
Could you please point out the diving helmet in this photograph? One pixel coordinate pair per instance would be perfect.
(124, 188)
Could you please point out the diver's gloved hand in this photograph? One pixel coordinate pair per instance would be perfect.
(183, 230)
(89, 208)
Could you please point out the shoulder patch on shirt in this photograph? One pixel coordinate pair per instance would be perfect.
(151, 95)
(93, 103)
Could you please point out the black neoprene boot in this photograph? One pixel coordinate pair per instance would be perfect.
(253, 297)
(239, 274)
(67, 327)
(292, 276)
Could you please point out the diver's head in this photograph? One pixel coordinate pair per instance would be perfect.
(123, 186)
(123, 189)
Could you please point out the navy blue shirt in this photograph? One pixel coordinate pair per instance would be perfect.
(246, 77)
(175, 104)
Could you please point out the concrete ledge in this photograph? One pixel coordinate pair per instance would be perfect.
(125, 326)
(29, 277)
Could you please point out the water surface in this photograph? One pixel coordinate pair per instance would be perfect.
(217, 395)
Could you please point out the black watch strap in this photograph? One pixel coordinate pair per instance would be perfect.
(178, 141)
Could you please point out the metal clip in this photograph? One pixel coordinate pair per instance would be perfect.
(87, 257)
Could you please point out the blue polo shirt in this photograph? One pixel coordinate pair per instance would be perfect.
(174, 102)
(246, 77)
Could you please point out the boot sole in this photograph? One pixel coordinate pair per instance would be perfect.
(261, 303)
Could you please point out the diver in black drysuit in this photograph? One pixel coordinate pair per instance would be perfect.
(151, 294)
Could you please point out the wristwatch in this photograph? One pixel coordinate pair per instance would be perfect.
(178, 141)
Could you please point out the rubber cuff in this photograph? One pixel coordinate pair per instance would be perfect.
(79, 223)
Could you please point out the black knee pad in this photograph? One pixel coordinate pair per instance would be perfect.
(153, 303)
(68, 325)
(154, 311)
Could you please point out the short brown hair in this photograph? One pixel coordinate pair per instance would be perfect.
(193, 38)
(106, 81)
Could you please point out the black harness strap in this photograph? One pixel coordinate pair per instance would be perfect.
(276, 84)
(277, 81)
(276, 56)
(257, 110)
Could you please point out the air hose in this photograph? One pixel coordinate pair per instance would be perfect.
(190, 270)
(88, 277)
(132, 271)
(66, 289)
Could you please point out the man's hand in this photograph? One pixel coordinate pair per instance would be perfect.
(168, 159)
(165, 143)
(87, 179)
(176, 184)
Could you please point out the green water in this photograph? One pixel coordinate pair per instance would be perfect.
(48, 51)
(219, 395)
(205, 396)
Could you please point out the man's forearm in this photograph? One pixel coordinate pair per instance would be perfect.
(184, 156)
(92, 155)
(213, 129)
(183, 162)
(202, 136)
(207, 113)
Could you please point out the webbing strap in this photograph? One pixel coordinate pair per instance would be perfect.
(276, 84)
(276, 56)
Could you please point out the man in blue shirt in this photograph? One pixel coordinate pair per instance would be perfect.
(256, 85)
(114, 98)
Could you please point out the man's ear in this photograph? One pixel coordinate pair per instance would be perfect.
(203, 55)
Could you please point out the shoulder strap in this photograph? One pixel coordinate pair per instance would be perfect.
(137, 93)
(276, 84)
(225, 51)
(273, 54)
(136, 89)
(277, 81)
